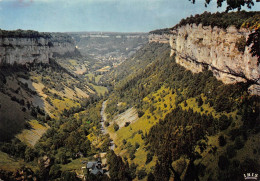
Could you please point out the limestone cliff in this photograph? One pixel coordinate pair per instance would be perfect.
(198, 47)
(24, 50)
(163, 38)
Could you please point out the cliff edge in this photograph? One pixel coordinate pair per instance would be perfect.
(198, 47)
(23, 47)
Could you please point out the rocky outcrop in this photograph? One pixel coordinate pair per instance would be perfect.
(199, 47)
(159, 38)
(22, 50)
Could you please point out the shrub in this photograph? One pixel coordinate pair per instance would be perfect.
(211, 103)
(13, 98)
(127, 124)
(200, 101)
(116, 127)
(140, 131)
(106, 123)
(222, 140)
(132, 155)
(152, 108)
(140, 113)
(21, 102)
(27, 125)
(124, 141)
(178, 100)
(241, 44)
(137, 145)
(142, 136)
(34, 113)
(49, 101)
(149, 158)
(185, 103)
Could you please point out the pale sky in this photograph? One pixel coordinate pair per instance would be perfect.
(98, 15)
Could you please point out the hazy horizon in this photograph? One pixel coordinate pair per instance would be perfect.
(99, 15)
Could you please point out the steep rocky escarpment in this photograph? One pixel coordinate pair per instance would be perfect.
(199, 47)
(157, 38)
(29, 46)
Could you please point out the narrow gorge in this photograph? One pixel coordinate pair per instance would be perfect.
(103, 106)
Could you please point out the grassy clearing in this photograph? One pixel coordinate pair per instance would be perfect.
(81, 69)
(81, 93)
(97, 78)
(73, 62)
(74, 165)
(38, 87)
(90, 75)
(104, 69)
(31, 136)
(66, 103)
(92, 138)
(69, 93)
(99, 89)
(130, 115)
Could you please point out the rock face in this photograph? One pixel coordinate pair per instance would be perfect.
(197, 47)
(29, 50)
(163, 38)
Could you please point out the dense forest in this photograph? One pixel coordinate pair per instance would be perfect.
(226, 113)
(53, 37)
(23, 34)
(222, 20)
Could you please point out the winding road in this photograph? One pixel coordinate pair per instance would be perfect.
(103, 119)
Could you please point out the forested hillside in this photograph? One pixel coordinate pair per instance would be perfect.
(190, 125)
(50, 111)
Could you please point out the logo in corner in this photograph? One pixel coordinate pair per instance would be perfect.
(251, 176)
